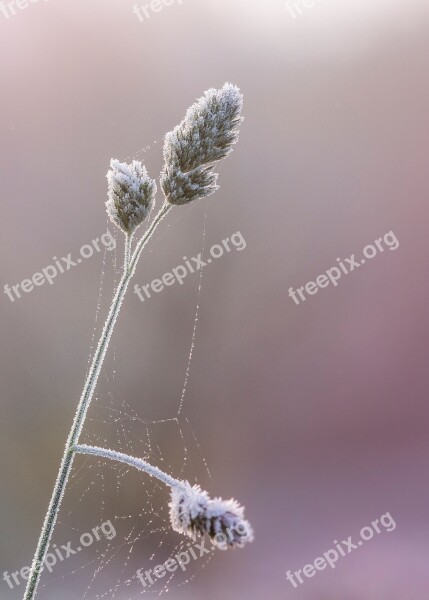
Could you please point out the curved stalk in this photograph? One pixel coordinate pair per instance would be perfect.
(137, 463)
(142, 242)
(85, 400)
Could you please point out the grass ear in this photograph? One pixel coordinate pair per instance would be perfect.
(204, 137)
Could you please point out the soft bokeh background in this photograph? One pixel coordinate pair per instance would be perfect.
(314, 416)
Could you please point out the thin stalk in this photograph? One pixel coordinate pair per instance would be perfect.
(138, 463)
(128, 240)
(142, 242)
(85, 400)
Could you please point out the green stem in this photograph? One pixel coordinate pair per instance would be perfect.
(85, 400)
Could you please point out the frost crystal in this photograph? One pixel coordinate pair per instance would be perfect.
(193, 513)
(205, 136)
(130, 194)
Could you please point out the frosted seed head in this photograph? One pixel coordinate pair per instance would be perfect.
(130, 194)
(194, 513)
(205, 136)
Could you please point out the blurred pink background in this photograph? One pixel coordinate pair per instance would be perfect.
(313, 416)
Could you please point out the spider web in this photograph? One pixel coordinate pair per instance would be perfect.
(132, 506)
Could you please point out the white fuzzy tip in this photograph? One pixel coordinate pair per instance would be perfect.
(130, 194)
(194, 513)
